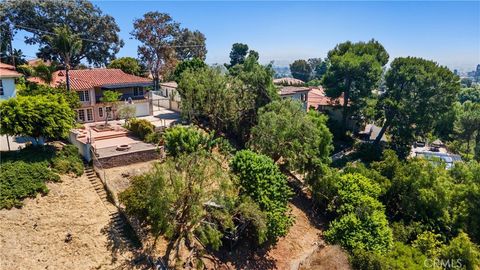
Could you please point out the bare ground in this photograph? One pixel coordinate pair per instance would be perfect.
(34, 237)
(302, 248)
(326, 258)
(118, 178)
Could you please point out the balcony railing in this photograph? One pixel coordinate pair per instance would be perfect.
(123, 97)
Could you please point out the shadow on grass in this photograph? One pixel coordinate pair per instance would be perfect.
(31, 154)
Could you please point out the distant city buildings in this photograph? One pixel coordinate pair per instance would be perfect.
(473, 76)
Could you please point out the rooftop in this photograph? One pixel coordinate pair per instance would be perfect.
(84, 79)
(288, 81)
(171, 84)
(8, 71)
(317, 97)
(290, 90)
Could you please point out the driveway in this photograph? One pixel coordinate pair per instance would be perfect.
(15, 143)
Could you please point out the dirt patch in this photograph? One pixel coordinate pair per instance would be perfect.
(64, 230)
(118, 178)
(302, 240)
(327, 258)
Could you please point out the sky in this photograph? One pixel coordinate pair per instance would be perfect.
(447, 32)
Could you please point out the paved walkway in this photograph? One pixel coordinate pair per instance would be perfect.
(15, 143)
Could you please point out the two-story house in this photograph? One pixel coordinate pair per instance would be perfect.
(7, 81)
(299, 93)
(91, 83)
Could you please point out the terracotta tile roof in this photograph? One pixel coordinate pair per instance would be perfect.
(89, 78)
(288, 81)
(317, 97)
(37, 61)
(290, 90)
(8, 71)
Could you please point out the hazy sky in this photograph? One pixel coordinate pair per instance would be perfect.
(447, 32)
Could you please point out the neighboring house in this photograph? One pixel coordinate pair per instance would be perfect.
(91, 83)
(299, 93)
(169, 89)
(7, 81)
(333, 107)
(435, 151)
(371, 132)
(38, 61)
(286, 81)
(172, 99)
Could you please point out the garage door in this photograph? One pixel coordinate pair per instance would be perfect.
(142, 109)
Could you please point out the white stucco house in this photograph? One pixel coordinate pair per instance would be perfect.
(7, 81)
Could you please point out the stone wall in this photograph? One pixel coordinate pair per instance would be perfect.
(129, 158)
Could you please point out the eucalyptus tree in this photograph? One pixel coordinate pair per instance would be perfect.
(98, 31)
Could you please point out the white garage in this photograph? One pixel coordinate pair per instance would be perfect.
(142, 109)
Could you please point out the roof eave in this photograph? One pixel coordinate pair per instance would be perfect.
(125, 85)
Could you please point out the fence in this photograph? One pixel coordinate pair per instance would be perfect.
(166, 102)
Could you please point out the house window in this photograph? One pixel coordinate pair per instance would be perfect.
(81, 115)
(138, 91)
(89, 115)
(1, 88)
(100, 112)
(84, 96)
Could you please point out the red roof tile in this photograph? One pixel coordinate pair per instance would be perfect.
(8, 71)
(89, 78)
(290, 90)
(317, 97)
(288, 81)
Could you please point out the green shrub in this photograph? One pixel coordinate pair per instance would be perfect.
(24, 173)
(369, 152)
(140, 127)
(19, 180)
(361, 222)
(153, 137)
(185, 139)
(261, 179)
(68, 160)
(461, 251)
(400, 257)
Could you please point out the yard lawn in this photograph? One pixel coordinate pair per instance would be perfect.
(33, 237)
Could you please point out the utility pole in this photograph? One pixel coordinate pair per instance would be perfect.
(11, 49)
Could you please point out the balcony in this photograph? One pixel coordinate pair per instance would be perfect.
(123, 97)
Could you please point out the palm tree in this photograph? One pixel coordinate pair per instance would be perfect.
(64, 43)
(45, 72)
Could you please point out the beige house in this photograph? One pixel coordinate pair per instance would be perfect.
(90, 85)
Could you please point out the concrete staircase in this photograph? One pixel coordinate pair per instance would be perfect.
(118, 224)
(111, 136)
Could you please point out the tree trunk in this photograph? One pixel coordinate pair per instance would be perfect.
(67, 74)
(106, 115)
(477, 147)
(346, 97)
(170, 247)
(156, 82)
(382, 131)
